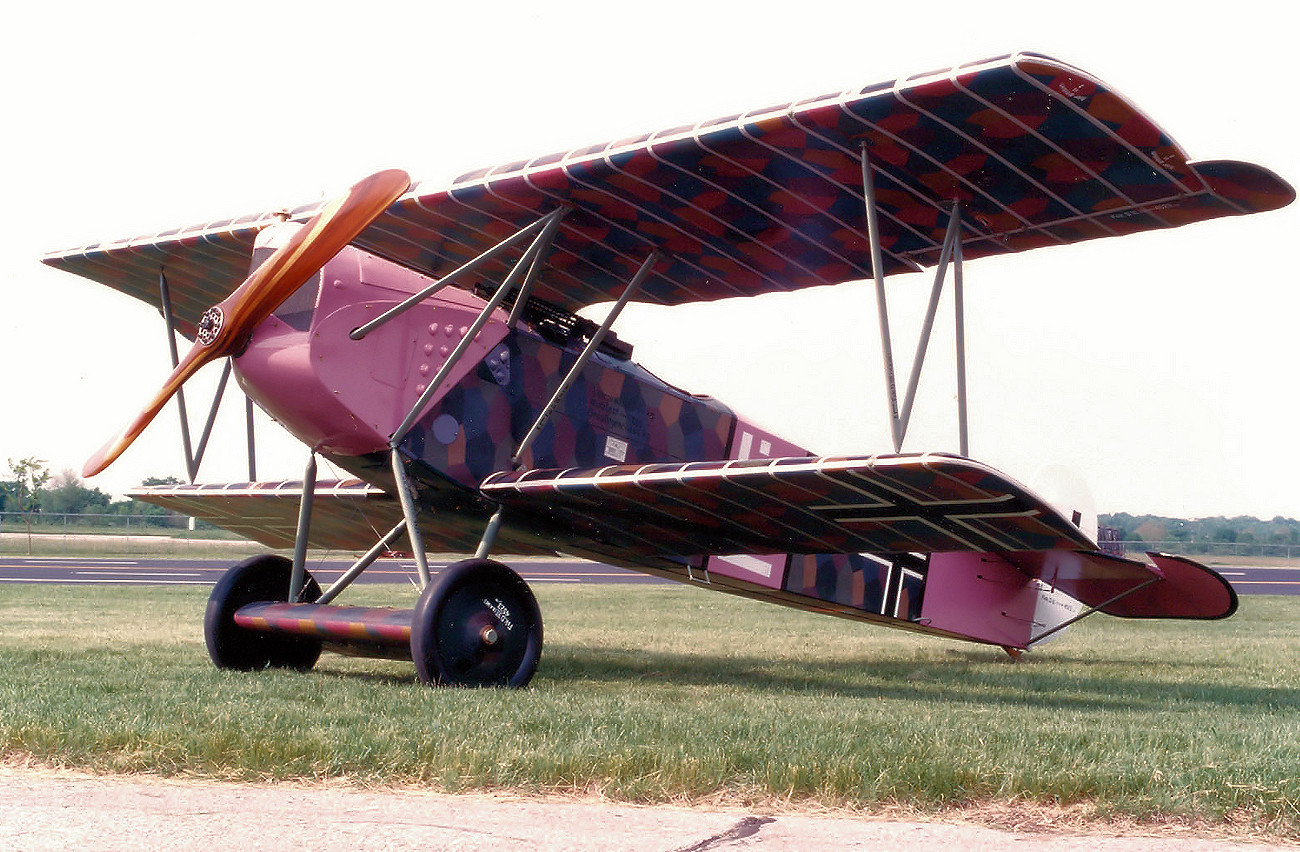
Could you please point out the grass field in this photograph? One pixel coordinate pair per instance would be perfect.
(673, 694)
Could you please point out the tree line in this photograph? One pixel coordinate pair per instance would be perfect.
(1242, 529)
(32, 491)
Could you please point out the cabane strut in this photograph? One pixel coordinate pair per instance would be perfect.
(520, 279)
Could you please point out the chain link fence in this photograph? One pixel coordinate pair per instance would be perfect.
(119, 535)
(1215, 548)
(46, 523)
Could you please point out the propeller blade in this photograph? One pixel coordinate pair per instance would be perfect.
(225, 327)
(108, 453)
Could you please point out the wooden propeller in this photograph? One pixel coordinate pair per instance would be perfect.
(225, 328)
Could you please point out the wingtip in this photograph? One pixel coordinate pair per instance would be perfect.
(1252, 187)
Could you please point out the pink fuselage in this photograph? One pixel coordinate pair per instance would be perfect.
(345, 398)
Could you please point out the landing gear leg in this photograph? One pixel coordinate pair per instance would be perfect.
(478, 625)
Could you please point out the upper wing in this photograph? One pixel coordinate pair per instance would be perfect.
(876, 504)
(203, 264)
(1037, 153)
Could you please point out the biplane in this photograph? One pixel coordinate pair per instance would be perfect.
(426, 340)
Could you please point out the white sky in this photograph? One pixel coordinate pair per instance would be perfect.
(1161, 367)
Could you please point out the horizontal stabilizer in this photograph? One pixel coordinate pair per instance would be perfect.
(1172, 587)
(1020, 599)
(1187, 590)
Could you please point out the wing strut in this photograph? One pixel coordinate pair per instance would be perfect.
(547, 225)
(526, 269)
(193, 456)
(882, 307)
(494, 525)
(592, 345)
(950, 254)
(959, 315)
(1093, 609)
(252, 445)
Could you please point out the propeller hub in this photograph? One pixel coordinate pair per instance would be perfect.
(209, 326)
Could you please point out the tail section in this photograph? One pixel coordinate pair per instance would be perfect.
(987, 598)
(1023, 599)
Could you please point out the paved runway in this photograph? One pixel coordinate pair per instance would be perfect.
(72, 570)
(1262, 579)
(169, 571)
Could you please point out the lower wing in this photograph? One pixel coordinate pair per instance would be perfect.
(981, 527)
(873, 504)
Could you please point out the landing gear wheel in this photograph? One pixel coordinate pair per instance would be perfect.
(478, 625)
(261, 578)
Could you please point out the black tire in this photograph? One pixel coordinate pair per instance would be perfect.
(478, 625)
(260, 578)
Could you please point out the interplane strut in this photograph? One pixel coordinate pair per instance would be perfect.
(194, 456)
(950, 254)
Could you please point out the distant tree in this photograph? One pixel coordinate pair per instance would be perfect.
(1152, 529)
(1200, 534)
(1227, 535)
(154, 515)
(1179, 531)
(68, 496)
(29, 477)
(1283, 536)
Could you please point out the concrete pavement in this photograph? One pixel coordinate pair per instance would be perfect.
(43, 810)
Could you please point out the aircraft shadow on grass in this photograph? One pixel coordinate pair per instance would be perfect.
(1030, 682)
(1027, 683)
